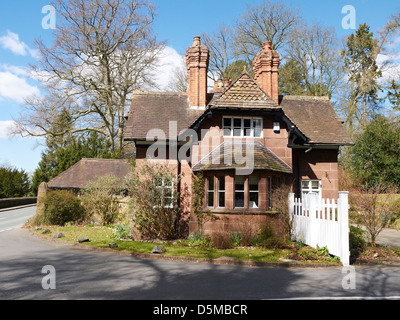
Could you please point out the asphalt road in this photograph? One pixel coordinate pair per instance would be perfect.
(15, 217)
(95, 275)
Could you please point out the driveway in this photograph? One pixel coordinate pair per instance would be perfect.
(90, 274)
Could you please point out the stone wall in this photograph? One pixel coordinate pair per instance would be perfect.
(16, 202)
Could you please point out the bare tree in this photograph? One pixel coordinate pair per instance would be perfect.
(374, 208)
(179, 79)
(220, 45)
(315, 50)
(269, 21)
(102, 51)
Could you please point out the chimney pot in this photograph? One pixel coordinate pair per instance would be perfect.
(267, 46)
(196, 41)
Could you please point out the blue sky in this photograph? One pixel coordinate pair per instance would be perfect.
(177, 22)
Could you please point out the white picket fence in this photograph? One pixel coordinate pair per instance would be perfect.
(320, 223)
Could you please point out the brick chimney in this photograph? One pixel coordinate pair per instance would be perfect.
(197, 58)
(266, 72)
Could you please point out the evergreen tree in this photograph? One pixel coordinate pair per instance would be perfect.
(375, 157)
(291, 81)
(61, 154)
(360, 56)
(14, 183)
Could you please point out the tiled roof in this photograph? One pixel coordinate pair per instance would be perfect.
(243, 93)
(86, 170)
(238, 155)
(316, 119)
(154, 110)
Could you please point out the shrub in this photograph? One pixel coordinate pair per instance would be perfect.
(199, 239)
(269, 236)
(236, 239)
(356, 241)
(99, 199)
(247, 230)
(221, 240)
(122, 231)
(154, 197)
(61, 207)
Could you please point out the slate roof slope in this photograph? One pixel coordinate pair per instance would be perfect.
(86, 170)
(154, 110)
(236, 155)
(316, 119)
(244, 93)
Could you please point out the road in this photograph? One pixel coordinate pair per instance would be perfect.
(96, 275)
(15, 217)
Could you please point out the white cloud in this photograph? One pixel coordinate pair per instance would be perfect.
(170, 61)
(5, 127)
(15, 88)
(12, 42)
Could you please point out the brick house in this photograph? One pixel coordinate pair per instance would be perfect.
(244, 137)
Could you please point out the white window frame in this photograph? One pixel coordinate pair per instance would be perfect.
(241, 191)
(210, 191)
(254, 191)
(220, 191)
(309, 188)
(242, 135)
(165, 186)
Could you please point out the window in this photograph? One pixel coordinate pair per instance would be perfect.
(166, 192)
(308, 186)
(239, 191)
(210, 192)
(253, 192)
(221, 192)
(242, 127)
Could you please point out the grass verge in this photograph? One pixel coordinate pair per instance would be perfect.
(101, 237)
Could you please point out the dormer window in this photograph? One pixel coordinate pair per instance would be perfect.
(242, 127)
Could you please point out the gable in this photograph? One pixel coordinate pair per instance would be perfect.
(243, 93)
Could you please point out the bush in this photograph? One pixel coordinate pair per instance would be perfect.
(61, 207)
(269, 236)
(199, 239)
(356, 241)
(154, 201)
(122, 231)
(99, 199)
(236, 239)
(222, 240)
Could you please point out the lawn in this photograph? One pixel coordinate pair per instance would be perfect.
(102, 236)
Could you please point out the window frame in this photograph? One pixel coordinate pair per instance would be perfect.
(210, 191)
(242, 127)
(254, 192)
(164, 186)
(309, 189)
(220, 191)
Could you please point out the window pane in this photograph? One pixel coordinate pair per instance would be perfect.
(315, 185)
(239, 183)
(247, 127)
(305, 185)
(227, 132)
(221, 199)
(227, 122)
(257, 128)
(253, 201)
(210, 184)
(237, 127)
(239, 199)
(210, 199)
(221, 184)
(253, 183)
